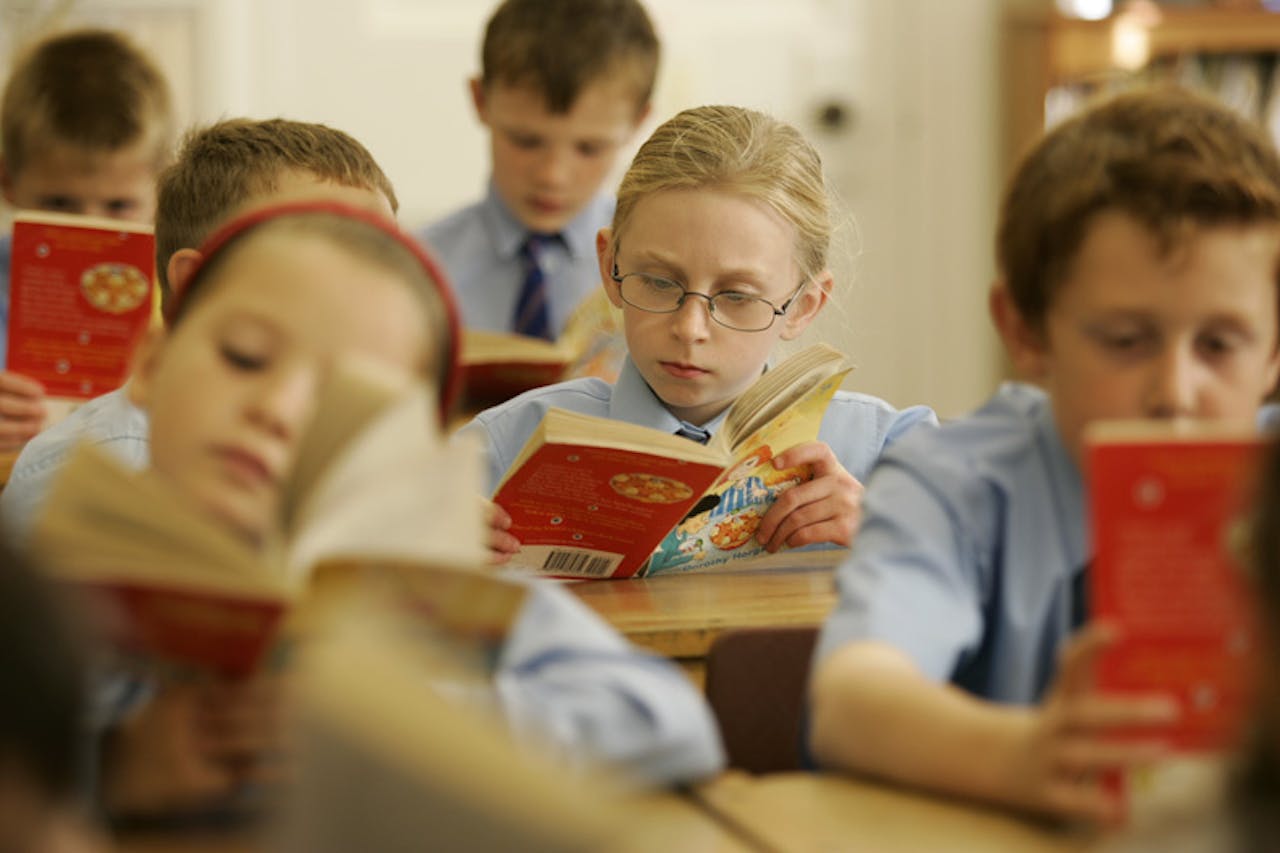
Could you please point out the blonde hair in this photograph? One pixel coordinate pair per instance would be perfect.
(744, 152)
(90, 89)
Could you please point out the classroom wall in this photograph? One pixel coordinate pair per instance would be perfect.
(915, 162)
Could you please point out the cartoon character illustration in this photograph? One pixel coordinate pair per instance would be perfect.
(684, 544)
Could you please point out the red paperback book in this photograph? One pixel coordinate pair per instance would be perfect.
(1169, 512)
(80, 296)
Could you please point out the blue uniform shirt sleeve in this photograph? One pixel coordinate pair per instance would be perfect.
(568, 678)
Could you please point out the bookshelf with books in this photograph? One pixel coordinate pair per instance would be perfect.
(1053, 63)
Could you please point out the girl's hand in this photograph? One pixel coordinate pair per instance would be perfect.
(22, 409)
(502, 545)
(1065, 752)
(826, 508)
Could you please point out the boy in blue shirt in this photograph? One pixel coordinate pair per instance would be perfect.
(218, 169)
(563, 85)
(1138, 250)
(85, 127)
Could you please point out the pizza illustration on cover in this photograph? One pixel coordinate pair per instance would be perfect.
(650, 488)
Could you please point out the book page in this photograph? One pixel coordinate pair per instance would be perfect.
(385, 762)
(80, 298)
(396, 490)
(777, 389)
(719, 532)
(162, 580)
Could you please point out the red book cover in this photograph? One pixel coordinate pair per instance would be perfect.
(80, 297)
(1168, 514)
(213, 630)
(489, 383)
(587, 511)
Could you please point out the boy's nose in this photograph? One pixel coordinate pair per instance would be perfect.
(1173, 388)
(554, 167)
(283, 402)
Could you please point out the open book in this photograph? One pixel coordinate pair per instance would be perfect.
(81, 294)
(1170, 507)
(497, 366)
(364, 494)
(388, 759)
(597, 498)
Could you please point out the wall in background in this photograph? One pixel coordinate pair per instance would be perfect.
(915, 160)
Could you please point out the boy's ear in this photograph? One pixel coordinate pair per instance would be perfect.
(641, 114)
(476, 86)
(182, 264)
(143, 365)
(1026, 346)
(806, 305)
(604, 255)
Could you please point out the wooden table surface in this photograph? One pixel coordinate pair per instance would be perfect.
(813, 812)
(680, 615)
(662, 822)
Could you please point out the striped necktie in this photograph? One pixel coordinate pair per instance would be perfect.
(532, 317)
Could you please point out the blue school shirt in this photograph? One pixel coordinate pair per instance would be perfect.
(972, 539)
(479, 247)
(856, 426)
(6, 252)
(568, 679)
(109, 421)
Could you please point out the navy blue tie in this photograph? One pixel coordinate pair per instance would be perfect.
(1080, 598)
(532, 317)
(693, 433)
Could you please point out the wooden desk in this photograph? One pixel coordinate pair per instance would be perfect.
(679, 616)
(7, 458)
(807, 812)
(663, 822)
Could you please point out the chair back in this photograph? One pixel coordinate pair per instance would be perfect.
(756, 685)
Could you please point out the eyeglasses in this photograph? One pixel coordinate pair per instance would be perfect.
(739, 311)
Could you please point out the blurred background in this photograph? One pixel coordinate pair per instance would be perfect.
(918, 107)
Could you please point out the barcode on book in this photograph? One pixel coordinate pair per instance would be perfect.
(579, 564)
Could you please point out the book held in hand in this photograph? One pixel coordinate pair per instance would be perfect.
(178, 586)
(81, 295)
(497, 366)
(596, 498)
(1170, 507)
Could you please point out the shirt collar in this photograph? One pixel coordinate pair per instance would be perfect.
(633, 401)
(507, 233)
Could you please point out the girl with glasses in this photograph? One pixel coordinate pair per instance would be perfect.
(717, 252)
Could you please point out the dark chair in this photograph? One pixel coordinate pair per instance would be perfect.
(756, 680)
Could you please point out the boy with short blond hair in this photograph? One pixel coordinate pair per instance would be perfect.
(85, 127)
(219, 169)
(1139, 249)
(563, 86)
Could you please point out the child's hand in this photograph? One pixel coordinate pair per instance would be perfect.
(194, 745)
(22, 409)
(502, 545)
(1066, 749)
(826, 508)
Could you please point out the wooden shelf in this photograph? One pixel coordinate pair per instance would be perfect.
(1043, 49)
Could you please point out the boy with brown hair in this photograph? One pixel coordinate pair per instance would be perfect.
(219, 169)
(85, 127)
(564, 84)
(1138, 249)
